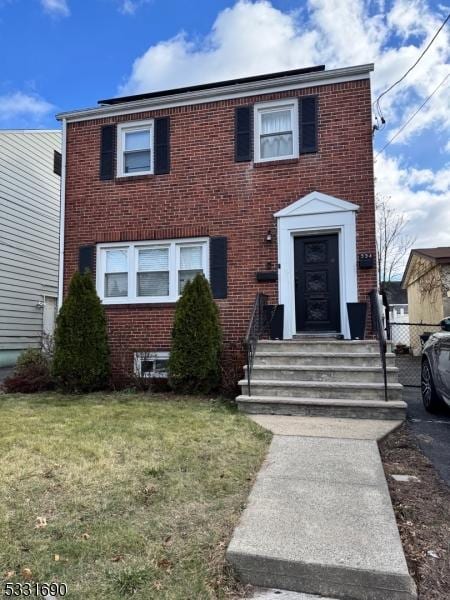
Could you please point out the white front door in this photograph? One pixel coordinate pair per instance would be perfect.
(317, 214)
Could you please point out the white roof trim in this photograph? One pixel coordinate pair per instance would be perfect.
(227, 92)
(316, 203)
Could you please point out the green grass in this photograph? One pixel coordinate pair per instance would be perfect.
(140, 493)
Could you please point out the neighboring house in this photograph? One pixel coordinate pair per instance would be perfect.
(427, 282)
(398, 312)
(264, 184)
(30, 166)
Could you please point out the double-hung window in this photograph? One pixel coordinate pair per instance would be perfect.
(191, 263)
(135, 149)
(145, 272)
(115, 261)
(276, 130)
(153, 272)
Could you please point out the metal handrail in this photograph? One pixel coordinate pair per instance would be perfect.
(257, 326)
(380, 334)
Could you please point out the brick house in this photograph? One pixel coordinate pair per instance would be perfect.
(265, 184)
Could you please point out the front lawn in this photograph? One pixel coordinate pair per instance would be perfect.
(123, 495)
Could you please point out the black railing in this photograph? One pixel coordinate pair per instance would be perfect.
(380, 333)
(257, 327)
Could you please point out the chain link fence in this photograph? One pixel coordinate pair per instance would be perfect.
(408, 340)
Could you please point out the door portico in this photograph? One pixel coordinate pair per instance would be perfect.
(316, 214)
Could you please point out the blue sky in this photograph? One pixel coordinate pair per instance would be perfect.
(64, 54)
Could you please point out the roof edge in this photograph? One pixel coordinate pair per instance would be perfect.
(210, 85)
(227, 91)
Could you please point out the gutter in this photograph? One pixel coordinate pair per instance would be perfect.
(226, 92)
(62, 211)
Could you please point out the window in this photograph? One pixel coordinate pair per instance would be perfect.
(57, 163)
(151, 364)
(276, 131)
(116, 273)
(145, 272)
(153, 272)
(191, 263)
(135, 149)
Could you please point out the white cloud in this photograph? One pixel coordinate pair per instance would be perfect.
(58, 8)
(255, 37)
(421, 194)
(28, 109)
(129, 7)
(233, 48)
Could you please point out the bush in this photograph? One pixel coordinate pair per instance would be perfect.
(31, 374)
(194, 363)
(81, 355)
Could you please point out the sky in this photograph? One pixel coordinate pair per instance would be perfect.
(64, 54)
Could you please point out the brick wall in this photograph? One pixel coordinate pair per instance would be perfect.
(207, 193)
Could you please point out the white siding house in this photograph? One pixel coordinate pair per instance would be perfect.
(29, 238)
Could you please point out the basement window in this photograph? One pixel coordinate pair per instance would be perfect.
(151, 365)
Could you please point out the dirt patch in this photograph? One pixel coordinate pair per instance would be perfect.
(422, 509)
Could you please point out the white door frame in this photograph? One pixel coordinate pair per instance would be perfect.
(317, 213)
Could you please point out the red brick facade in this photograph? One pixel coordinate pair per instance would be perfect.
(208, 194)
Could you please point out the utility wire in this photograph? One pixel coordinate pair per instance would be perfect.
(377, 101)
(397, 133)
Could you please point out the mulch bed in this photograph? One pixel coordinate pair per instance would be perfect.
(422, 510)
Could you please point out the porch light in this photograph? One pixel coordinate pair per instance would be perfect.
(269, 236)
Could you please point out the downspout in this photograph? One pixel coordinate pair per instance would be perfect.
(62, 211)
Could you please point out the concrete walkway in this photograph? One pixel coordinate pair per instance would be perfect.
(319, 520)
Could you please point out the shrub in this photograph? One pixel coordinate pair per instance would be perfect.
(31, 374)
(232, 370)
(81, 355)
(194, 363)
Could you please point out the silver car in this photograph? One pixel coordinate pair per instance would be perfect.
(435, 379)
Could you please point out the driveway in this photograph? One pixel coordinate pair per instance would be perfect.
(432, 431)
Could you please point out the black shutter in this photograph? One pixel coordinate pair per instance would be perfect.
(218, 266)
(243, 134)
(308, 117)
(162, 145)
(86, 255)
(57, 163)
(107, 152)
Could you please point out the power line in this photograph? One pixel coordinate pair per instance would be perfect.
(377, 101)
(412, 116)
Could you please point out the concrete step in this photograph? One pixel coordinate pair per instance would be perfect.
(319, 520)
(322, 407)
(322, 373)
(322, 389)
(348, 346)
(360, 359)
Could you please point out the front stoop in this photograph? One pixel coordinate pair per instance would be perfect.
(319, 521)
(322, 377)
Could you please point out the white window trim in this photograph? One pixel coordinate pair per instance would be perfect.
(258, 109)
(139, 357)
(124, 128)
(174, 263)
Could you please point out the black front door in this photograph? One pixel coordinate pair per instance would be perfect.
(316, 260)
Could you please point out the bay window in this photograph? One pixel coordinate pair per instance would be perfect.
(146, 272)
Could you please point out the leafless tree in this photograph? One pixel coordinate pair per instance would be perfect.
(393, 243)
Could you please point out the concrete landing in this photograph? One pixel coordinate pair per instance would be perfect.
(359, 429)
(319, 520)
